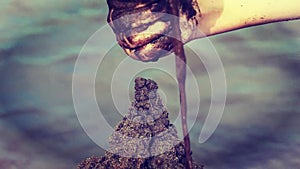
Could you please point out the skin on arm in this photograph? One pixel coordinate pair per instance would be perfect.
(219, 16)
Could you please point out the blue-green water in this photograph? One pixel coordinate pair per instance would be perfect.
(40, 41)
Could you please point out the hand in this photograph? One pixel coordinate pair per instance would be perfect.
(142, 27)
(215, 18)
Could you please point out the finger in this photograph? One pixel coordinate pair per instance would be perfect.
(134, 38)
(128, 4)
(123, 20)
(151, 51)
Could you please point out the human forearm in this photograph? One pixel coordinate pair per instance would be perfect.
(222, 16)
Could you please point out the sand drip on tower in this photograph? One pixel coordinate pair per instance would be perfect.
(145, 138)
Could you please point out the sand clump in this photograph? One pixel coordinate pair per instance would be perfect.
(145, 138)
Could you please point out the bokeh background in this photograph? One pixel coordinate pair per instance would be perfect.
(39, 44)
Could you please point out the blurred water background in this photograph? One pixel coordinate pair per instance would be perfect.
(39, 44)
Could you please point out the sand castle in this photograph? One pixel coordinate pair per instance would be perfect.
(145, 138)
